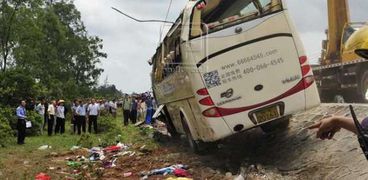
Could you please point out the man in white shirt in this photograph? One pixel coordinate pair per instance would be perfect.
(41, 109)
(81, 117)
(93, 113)
(113, 107)
(51, 119)
(60, 118)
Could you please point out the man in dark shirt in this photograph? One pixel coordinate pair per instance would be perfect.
(133, 111)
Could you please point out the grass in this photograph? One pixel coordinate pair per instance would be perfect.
(25, 161)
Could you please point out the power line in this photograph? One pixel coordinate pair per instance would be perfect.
(163, 26)
(142, 21)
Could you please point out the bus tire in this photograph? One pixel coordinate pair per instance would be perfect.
(363, 87)
(279, 124)
(194, 145)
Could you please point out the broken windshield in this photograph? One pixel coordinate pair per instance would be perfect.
(219, 13)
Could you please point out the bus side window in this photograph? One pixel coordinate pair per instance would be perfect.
(269, 6)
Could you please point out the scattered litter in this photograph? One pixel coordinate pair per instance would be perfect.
(75, 148)
(139, 123)
(179, 178)
(228, 175)
(128, 174)
(52, 168)
(147, 126)
(240, 177)
(112, 149)
(53, 154)
(74, 164)
(44, 147)
(76, 171)
(181, 173)
(42, 176)
(165, 171)
(97, 156)
(130, 153)
(110, 164)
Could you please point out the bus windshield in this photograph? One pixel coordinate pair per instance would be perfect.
(219, 14)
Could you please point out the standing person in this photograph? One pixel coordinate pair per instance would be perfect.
(40, 109)
(81, 117)
(30, 104)
(133, 112)
(21, 125)
(114, 108)
(93, 112)
(74, 115)
(143, 109)
(154, 108)
(127, 105)
(102, 108)
(149, 106)
(139, 108)
(107, 107)
(60, 118)
(45, 116)
(51, 112)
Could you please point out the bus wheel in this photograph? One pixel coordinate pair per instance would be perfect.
(279, 124)
(194, 145)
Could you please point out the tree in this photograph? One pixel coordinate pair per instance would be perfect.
(51, 43)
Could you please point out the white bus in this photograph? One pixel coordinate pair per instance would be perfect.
(228, 66)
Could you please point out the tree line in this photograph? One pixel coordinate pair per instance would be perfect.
(45, 50)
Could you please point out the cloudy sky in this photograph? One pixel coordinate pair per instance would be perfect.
(130, 44)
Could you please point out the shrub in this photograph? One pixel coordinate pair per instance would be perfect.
(8, 114)
(107, 123)
(6, 133)
(86, 141)
(37, 123)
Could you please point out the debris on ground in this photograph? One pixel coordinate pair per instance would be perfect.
(178, 168)
(75, 148)
(44, 147)
(252, 155)
(42, 176)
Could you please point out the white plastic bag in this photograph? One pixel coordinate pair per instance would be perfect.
(28, 124)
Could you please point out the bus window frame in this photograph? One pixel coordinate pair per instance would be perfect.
(161, 58)
(233, 24)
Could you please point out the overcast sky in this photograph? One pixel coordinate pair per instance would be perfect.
(130, 44)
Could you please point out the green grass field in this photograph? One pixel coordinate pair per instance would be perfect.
(25, 161)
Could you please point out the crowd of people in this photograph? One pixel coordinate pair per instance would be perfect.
(85, 113)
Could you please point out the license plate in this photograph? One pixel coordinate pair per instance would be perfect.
(267, 114)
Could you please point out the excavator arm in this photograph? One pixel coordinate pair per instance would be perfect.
(338, 17)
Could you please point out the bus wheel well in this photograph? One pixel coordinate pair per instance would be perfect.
(194, 145)
(169, 124)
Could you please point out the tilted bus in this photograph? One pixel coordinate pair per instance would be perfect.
(228, 66)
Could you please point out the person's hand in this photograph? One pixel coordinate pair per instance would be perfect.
(326, 128)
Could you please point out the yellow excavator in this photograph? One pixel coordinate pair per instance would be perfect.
(342, 75)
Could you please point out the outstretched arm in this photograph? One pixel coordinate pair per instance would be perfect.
(326, 128)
